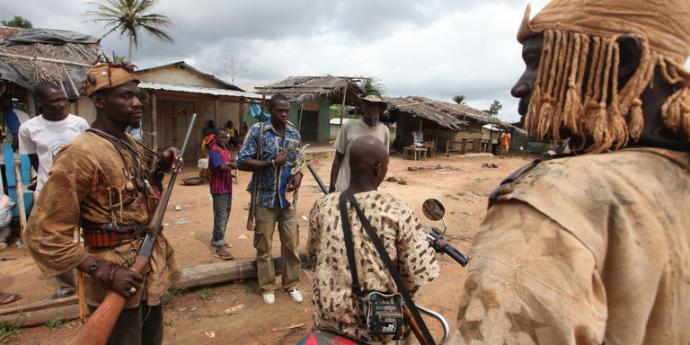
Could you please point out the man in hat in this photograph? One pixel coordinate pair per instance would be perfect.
(593, 248)
(372, 106)
(110, 185)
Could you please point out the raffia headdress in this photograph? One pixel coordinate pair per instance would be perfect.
(572, 93)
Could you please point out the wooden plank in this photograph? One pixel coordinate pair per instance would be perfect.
(192, 277)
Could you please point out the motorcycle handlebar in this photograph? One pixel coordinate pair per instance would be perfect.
(439, 244)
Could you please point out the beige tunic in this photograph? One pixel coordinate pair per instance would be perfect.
(405, 243)
(88, 181)
(351, 130)
(585, 250)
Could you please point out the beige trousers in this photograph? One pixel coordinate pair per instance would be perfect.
(266, 219)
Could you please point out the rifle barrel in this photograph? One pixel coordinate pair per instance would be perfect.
(150, 239)
(317, 178)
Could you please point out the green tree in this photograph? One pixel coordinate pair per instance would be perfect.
(373, 86)
(495, 107)
(129, 17)
(459, 99)
(18, 22)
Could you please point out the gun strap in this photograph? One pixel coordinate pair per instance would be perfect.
(378, 244)
(349, 245)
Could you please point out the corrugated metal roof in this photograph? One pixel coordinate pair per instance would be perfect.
(198, 90)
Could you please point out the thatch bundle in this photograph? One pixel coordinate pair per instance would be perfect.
(50, 55)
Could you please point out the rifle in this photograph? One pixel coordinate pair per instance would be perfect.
(99, 326)
(317, 178)
(255, 175)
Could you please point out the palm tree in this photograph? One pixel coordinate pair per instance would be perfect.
(129, 17)
(459, 99)
(373, 86)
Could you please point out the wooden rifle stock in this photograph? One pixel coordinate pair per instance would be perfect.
(100, 325)
(414, 326)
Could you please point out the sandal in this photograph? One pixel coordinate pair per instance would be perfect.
(269, 297)
(6, 298)
(222, 254)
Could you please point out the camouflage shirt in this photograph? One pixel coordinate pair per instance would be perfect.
(405, 242)
(584, 250)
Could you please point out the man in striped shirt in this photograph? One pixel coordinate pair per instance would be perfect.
(221, 165)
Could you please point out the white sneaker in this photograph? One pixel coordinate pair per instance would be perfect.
(296, 295)
(269, 298)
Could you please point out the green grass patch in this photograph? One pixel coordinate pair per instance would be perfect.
(7, 332)
(55, 323)
(250, 286)
(205, 294)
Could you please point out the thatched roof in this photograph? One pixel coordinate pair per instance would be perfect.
(449, 115)
(305, 88)
(416, 107)
(9, 32)
(59, 56)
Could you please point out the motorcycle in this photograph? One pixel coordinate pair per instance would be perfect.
(434, 210)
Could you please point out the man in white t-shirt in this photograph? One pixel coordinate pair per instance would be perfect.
(42, 137)
(372, 107)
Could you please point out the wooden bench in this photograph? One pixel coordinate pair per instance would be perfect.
(413, 151)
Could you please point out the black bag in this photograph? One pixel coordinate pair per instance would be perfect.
(381, 312)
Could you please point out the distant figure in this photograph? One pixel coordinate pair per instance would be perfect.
(505, 143)
(233, 133)
(220, 165)
(369, 124)
(13, 119)
(42, 137)
(209, 129)
(243, 131)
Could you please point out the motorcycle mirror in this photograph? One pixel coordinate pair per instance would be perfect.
(433, 209)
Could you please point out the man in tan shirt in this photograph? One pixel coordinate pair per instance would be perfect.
(594, 248)
(399, 229)
(109, 185)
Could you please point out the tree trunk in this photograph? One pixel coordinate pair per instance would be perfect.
(131, 48)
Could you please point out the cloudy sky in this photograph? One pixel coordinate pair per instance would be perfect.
(433, 48)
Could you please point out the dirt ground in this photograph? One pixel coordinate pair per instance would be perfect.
(200, 316)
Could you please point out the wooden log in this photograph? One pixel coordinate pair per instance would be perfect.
(37, 314)
(53, 303)
(41, 316)
(38, 58)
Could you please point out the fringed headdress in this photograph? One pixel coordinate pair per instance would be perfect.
(583, 96)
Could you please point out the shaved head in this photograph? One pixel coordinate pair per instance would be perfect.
(44, 88)
(368, 162)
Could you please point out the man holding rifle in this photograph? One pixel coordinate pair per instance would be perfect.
(110, 185)
(278, 170)
(337, 307)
